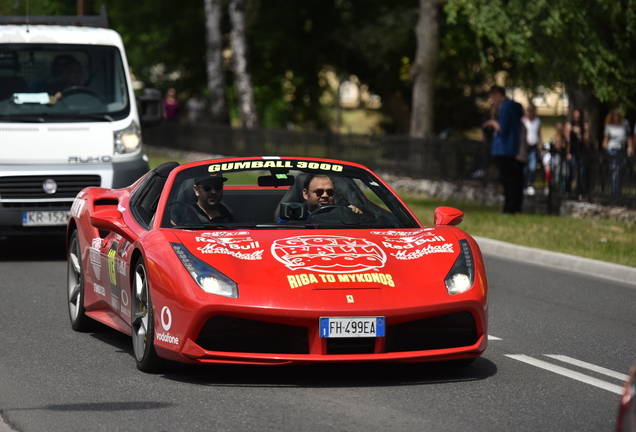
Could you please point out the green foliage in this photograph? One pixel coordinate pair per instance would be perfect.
(292, 43)
(171, 33)
(590, 44)
(38, 7)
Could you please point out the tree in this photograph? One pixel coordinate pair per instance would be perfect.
(165, 41)
(589, 46)
(243, 78)
(216, 72)
(424, 68)
(39, 7)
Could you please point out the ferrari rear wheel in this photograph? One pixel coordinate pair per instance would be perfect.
(143, 328)
(75, 287)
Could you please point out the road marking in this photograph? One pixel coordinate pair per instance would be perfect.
(490, 337)
(590, 366)
(568, 373)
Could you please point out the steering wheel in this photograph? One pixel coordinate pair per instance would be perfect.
(80, 89)
(325, 209)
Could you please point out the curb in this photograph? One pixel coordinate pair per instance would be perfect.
(557, 260)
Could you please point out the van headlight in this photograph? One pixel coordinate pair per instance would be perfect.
(462, 276)
(127, 140)
(207, 277)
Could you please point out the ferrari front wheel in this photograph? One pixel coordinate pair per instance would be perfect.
(75, 287)
(143, 329)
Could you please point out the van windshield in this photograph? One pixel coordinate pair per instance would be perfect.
(56, 82)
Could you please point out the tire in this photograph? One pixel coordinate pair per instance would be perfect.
(143, 328)
(75, 287)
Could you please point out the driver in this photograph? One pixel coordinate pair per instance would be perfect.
(68, 73)
(207, 208)
(318, 191)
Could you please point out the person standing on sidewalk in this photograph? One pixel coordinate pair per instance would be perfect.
(533, 137)
(617, 143)
(577, 134)
(505, 148)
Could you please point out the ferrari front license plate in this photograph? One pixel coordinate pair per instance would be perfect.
(44, 218)
(346, 327)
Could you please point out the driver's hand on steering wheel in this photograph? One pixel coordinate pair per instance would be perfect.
(355, 209)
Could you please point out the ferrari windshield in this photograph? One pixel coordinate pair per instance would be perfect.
(58, 82)
(281, 193)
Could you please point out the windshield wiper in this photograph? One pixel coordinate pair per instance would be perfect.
(77, 116)
(43, 117)
(103, 117)
(23, 118)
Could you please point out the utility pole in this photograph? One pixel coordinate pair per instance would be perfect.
(81, 7)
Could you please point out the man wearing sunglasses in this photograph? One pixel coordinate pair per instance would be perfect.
(318, 191)
(208, 208)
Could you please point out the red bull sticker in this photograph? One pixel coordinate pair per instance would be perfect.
(418, 253)
(241, 247)
(413, 245)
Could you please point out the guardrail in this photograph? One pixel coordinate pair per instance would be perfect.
(608, 180)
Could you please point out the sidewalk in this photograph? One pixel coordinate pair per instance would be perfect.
(586, 266)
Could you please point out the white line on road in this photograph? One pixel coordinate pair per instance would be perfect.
(5, 427)
(568, 373)
(490, 337)
(590, 366)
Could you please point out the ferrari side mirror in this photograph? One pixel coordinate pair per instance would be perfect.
(448, 216)
(111, 220)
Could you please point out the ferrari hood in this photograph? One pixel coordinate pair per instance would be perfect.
(327, 259)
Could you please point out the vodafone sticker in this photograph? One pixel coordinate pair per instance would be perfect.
(166, 318)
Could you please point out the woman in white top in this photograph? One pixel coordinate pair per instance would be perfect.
(616, 140)
(533, 137)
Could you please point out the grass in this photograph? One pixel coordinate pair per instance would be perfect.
(598, 239)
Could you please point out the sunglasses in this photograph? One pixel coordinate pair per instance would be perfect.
(320, 192)
(208, 187)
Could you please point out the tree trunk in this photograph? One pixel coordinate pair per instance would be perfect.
(244, 90)
(216, 74)
(423, 69)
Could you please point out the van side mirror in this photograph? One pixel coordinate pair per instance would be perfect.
(150, 107)
(448, 216)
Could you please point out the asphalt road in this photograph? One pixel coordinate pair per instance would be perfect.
(53, 379)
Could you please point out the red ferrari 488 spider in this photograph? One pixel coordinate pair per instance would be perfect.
(274, 260)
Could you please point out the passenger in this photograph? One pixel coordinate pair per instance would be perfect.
(207, 208)
(319, 191)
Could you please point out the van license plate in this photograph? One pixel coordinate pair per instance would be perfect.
(346, 327)
(44, 218)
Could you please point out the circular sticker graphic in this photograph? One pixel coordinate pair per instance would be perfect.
(166, 318)
(329, 254)
(124, 297)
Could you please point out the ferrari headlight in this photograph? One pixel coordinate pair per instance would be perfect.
(461, 277)
(208, 278)
(127, 140)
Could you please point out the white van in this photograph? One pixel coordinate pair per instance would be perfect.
(68, 119)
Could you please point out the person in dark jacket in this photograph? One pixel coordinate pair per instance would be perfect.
(505, 148)
(207, 208)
